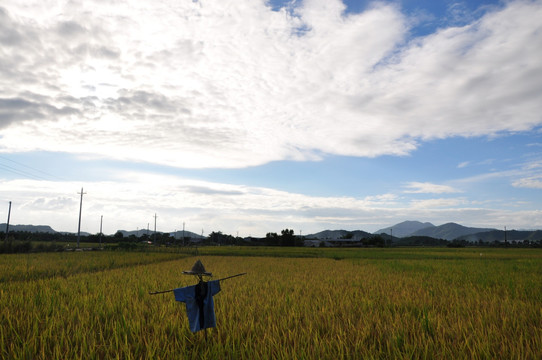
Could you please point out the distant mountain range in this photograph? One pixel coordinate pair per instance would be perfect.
(448, 231)
(500, 235)
(48, 229)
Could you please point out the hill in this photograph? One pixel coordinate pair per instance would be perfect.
(187, 235)
(28, 228)
(355, 235)
(499, 235)
(449, 231)
(404, 229)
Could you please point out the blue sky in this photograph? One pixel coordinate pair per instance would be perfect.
(250, 117)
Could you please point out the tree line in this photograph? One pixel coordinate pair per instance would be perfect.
(26, 241)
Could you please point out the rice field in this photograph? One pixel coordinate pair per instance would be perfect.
(336, 304)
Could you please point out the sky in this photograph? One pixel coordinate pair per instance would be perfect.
(252, 116)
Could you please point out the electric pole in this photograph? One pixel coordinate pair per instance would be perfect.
(101, 221)
(80, 211)
(155, 228)
(7, 224)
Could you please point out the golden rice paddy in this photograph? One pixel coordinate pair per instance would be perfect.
(339, 304)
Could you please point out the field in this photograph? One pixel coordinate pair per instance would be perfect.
(293, 303)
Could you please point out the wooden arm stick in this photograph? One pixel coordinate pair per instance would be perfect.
(166, 291)
(232, 276)
(160, 292)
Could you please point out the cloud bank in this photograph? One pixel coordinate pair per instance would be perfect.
(235, 83)
(130, 202)
(421, 188)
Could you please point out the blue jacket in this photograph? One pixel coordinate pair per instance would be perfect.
(200, 306)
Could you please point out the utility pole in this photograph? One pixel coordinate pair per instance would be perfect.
(183, 233)
(7, 224)
(101, 221)
(155, 228)
(80, 211)
(391, 237)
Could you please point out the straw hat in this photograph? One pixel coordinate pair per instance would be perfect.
(197, 269)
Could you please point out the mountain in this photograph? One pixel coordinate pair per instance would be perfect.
(404, 229)
(187, 235)
(28, 228)
(449, 231)
(499, 235)
(340, 235)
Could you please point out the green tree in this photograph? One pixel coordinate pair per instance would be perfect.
(287, 237)
(272, 238)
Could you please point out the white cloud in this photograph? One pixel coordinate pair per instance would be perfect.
(464, 164)
(428, 188)
(533, 165)
(383, 199)
(233, 83)
(438, 203)
(530, 174)
(534, 182)
(130, 201)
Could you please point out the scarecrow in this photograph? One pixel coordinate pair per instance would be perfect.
(198, 298)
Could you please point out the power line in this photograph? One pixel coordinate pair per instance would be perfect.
(35, 173)
(20, 172)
